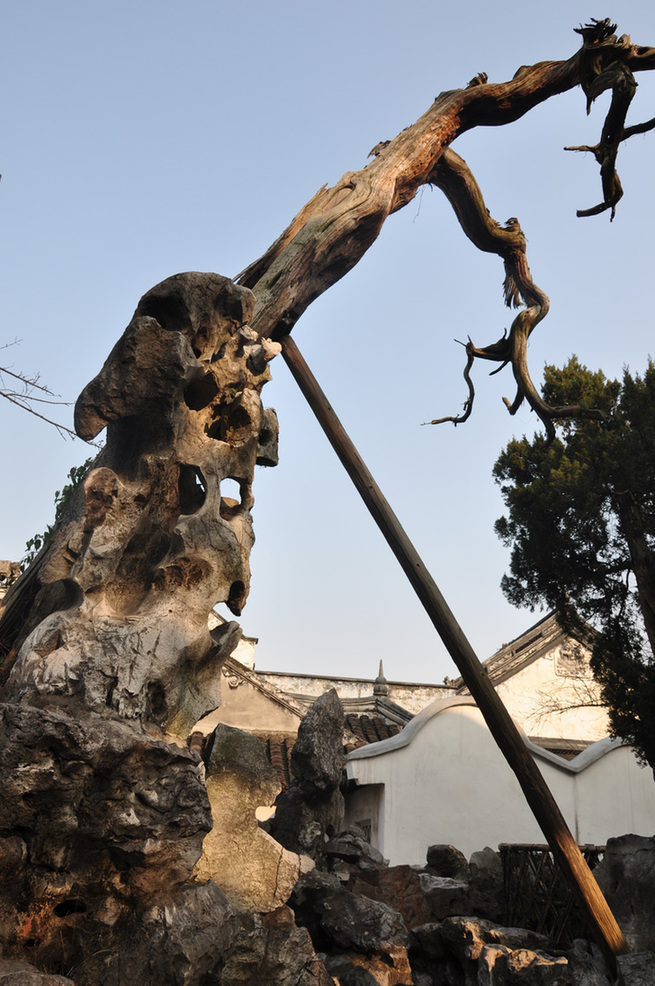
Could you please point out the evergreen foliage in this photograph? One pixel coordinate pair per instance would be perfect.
(581, 528)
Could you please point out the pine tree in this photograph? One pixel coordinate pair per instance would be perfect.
(581, 526)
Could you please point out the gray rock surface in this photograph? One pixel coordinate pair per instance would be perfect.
(466, 936)
(340, 921)
(93, 800)
(269, 950)
(444, 860)
(178, 939)
(486, 885)
(626, 875)
(104, 808)
(391, 969)
(534, 968)
(445, 897)
(23, 974)
(350, 851)
(637, 969)
(311, 812)
(318, 758)
(398, 886)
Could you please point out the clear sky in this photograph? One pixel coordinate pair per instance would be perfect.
(144, 138)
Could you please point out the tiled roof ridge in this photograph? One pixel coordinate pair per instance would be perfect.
(380, 704)
(369, 729)
(343, 677)
(359, 730)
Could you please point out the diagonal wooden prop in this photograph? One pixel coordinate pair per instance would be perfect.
(536, 791)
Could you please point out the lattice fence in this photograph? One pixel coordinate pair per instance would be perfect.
(538, 897)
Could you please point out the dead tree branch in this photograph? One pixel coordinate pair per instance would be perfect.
(338, 225)
(455, 179)
(25, 398)
(604, 66)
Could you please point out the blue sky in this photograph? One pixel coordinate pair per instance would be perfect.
(145, 138)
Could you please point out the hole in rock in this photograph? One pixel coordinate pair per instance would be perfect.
(231, 489)
(230, 498)
(230, 302)
(215, 430)
(109, 698)
(170, 311)
(143, 552)
(201, 392)
(156, 701)
(233, 425)
(239, 423)
(235, 599)
(206, 335)
(56, 596)
(72, 906)
(192, 488)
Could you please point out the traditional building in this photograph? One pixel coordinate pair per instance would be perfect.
(422, 766)
(545, 681)
(543, 677)
(444, 780)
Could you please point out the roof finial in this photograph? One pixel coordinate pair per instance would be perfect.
(380, 686)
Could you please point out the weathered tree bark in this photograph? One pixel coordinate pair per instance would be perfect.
(338, 225)
(335, 228)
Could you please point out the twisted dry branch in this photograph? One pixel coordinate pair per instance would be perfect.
(603, 66)
(337, 226)
(25, 398)
(606, 64)
(453, 176)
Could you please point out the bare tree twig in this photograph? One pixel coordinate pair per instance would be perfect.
(25, 399)
(62, 429)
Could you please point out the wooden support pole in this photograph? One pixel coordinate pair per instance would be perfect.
(502, 727)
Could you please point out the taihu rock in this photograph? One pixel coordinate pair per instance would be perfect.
(149, 544)
(626, 875)
(253, 870)
(104, 807)
(311, 812)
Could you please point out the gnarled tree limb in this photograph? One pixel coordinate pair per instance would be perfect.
(337, 226)
(455, 179)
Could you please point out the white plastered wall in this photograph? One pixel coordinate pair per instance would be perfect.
(444, 780)
(532, 696)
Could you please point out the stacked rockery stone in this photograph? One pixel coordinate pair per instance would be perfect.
(109, 663)
(311, 811)
(442, 924)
